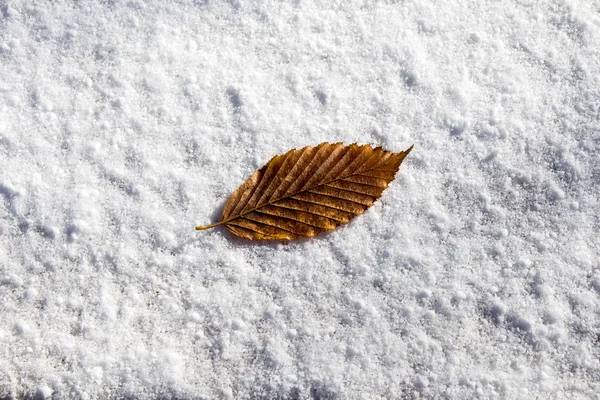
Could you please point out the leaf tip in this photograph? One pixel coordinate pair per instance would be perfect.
(404, 153)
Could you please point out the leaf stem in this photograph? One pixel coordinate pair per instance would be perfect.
(201, 228)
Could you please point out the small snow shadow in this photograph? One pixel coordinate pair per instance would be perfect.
(7, 192)
(410, 79)
(234, 97)
(10, 195)
(323, 391)
(321, 96)
(511, 321)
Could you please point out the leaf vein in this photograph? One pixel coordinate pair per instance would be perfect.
(271, 225)
(291, 219)
(341, 198)
(328, 206)
(359, 183)
(312, 212)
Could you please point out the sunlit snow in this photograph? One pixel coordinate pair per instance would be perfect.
(124, 124)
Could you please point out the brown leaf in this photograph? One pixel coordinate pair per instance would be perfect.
(308, 191)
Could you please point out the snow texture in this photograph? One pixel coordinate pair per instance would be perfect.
(123, 124)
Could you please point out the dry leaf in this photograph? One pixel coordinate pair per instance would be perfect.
(305, 192)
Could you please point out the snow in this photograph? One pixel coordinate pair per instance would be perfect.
(124, 124)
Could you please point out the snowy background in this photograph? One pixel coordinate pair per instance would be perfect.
(124, 124)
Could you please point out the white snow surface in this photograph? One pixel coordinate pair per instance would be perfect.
(124, 124)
